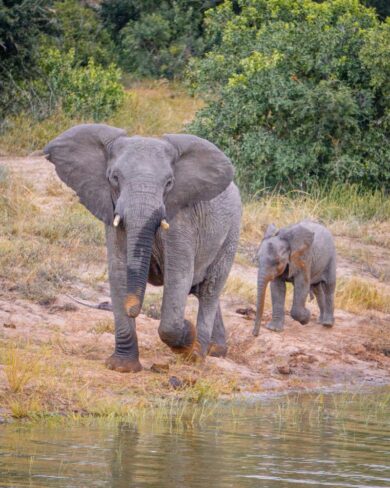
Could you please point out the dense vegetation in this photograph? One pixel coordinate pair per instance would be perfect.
(153, 37)
(55, 56)
(296, 91)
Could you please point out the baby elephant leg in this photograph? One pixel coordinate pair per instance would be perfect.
(328, 315)
(320, 297)
(301, 290)
(278, 296)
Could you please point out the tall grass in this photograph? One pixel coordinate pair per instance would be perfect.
(150, 109)
(19, 370)
(334, 204)
(41, 249)
(355, 295)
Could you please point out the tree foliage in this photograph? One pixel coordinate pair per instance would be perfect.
(79, 27)
(297, 92)
(21, 26)
(156, 38)
(51, 56)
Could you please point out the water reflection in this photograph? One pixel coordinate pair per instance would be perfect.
(267, 445)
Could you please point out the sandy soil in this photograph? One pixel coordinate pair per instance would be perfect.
(302, 357)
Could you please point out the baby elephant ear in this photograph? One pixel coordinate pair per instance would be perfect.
(201, 171)
(80, 156)
(271, 231)
(299, 239)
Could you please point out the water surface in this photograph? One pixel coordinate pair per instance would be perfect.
(313, 440)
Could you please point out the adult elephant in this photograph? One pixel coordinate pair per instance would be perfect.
(133, 184)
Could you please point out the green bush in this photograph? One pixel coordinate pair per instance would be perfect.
(297, 92)
(90, 92)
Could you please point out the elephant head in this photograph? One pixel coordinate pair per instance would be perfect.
(137, 183)
(280, 251)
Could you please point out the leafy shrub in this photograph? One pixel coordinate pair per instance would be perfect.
(297, 92)
(89, 92)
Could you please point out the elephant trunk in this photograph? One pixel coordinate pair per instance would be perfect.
(141, 225)
(262, 282)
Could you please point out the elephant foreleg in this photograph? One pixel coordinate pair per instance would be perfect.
(179, 334)
(126, 356)
(278, 296)
(301, 290)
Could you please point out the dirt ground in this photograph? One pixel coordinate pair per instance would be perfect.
(72, 341)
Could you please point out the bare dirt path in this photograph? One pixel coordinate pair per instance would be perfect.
(71, 342)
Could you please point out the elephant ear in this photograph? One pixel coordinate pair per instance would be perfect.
(201, 171)
(80, 156)
(271, 231)
(300, 240)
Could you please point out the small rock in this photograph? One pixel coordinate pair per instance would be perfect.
(175, 382)
(284, 369)
(357, 349)
(248, 312)
(160, 368)
(9, 326)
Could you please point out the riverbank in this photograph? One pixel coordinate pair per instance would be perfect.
(52, 350)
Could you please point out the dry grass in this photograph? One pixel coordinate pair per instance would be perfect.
(156, 108)
(40, 248)
(104, 326)
(152, 305)
(239, 289)
(20, 370)
(356, 295)
(50, 380)
(345, 209)
(149, 109)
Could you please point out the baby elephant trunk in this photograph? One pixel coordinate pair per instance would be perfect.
(262, 282)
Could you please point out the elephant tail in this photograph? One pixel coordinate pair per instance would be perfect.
(100, 306)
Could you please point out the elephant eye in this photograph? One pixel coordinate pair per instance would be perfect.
(114, 180)
(169, 184)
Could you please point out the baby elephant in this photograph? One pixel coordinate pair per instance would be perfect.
(305, 255)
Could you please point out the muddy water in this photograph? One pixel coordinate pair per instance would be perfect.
(316, 440)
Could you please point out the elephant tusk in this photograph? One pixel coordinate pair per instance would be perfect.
(117, 220)
(164, 224)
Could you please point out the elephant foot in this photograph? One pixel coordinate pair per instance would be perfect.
(275, 326)
(186, 344)
(327, 321)
(123, 364)
(217, 350)
(303, 317)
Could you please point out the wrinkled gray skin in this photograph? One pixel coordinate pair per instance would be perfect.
(303, 254)
(187, 181)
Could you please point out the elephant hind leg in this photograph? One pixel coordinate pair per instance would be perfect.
(328, 316)
(210, 326)
(320, 297)
(218, 346)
